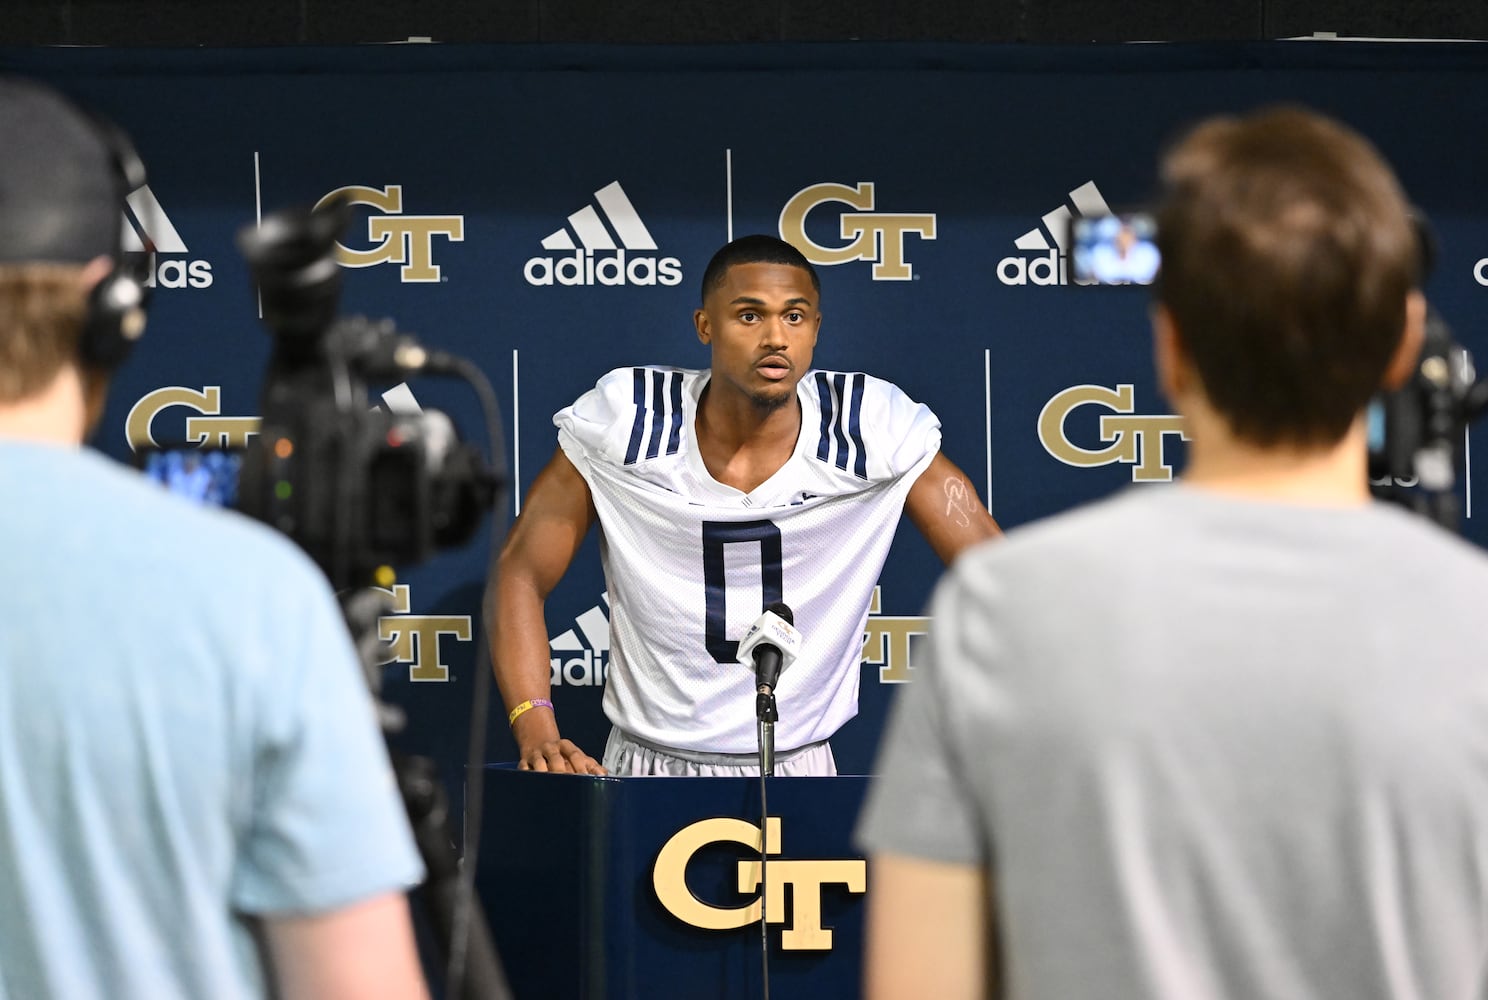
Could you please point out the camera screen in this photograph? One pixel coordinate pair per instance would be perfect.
(1113, 250)
(208, 476)
(1375, 422)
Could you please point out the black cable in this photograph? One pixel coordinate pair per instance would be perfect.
(479, 708)
(348, 479)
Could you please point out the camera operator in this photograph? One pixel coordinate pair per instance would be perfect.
(1225, 738)
(194, 797)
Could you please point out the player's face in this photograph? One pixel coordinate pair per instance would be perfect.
(761, 323)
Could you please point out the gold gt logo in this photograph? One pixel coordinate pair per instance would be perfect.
(887, 640)
(806, 879)
(414, 639)
(1130, 438)
(874, 236)
(400, 239)
(210, 429)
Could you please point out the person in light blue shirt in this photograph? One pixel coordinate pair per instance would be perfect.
(195, 801)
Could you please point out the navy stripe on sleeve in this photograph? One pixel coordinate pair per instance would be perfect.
(674, 443)
(854, 425)
(824, 398)
(841, 441)
(839, 383)
(638, 395)
(659, 407)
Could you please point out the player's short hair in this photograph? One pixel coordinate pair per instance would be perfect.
(1288, 252)
(756, 249)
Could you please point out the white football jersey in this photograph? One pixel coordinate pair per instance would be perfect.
(690, 563)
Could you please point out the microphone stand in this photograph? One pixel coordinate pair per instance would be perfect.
(767, 716)
(764, 711)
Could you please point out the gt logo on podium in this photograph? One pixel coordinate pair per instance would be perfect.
(807, 879)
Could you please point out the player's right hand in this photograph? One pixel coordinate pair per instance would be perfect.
(558, 756)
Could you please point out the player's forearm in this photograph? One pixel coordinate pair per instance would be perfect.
(981, 526)
(519, 656)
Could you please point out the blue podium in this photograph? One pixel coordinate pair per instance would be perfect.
(647, 888)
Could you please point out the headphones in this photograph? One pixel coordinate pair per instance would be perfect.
(115, 317)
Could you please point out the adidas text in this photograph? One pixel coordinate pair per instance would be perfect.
(588, 669)
(1048, 269)
(583, 267)
(147, 229)
(181, 274)
(1044, 246)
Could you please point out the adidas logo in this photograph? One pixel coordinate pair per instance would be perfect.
(1045, 264)
(581, 656)
(146, 224)
(597, 259)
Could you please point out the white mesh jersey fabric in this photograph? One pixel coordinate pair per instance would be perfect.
(690, 563)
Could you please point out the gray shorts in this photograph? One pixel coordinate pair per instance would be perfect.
(628, 756)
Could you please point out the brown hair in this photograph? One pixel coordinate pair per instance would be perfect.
(41, 317)
(1287, 254)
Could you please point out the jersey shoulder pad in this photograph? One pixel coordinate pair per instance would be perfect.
(631, 415)
(870, 427)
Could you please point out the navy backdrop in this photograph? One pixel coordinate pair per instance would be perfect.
(944, 170)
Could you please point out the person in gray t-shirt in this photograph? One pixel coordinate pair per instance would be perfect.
(1229, 738)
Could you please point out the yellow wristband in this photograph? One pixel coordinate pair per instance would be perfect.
(515, 713)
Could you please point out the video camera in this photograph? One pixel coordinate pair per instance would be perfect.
(360, 489)
(1416, 432)
(356, 486)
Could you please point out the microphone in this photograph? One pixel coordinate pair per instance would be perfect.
(771, 644)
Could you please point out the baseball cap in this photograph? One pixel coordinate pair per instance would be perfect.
(61, 189)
